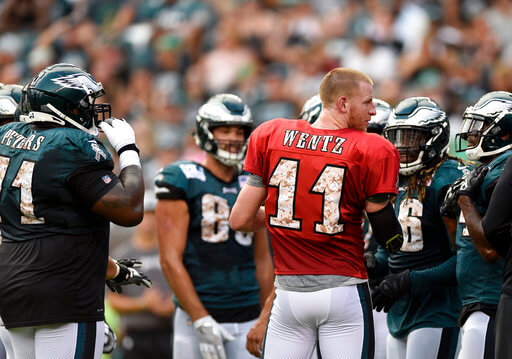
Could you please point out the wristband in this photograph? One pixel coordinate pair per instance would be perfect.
(131, 146)
(129, 158)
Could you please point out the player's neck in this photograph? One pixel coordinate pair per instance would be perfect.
(329, 121)
(218, 169)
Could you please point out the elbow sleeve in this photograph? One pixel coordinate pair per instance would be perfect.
(387, 229)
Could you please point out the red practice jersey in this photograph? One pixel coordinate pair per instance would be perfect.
(317, 181)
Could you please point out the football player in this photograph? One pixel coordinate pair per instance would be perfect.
(219, 276)
(316, 180)
(421, 315)
(9, 99)
(57, 198)
(310, 112)
(485, 136)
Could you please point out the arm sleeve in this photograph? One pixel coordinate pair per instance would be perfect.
(440, 276)
(91, 185)
(498, 218)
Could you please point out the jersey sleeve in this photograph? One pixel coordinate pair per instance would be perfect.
(171, 182)
(258, 142)
(383, 167)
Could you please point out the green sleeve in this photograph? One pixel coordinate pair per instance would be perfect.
(440, 276)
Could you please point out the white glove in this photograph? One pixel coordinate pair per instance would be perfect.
(119, 133)
(110, 340)
(211, 336)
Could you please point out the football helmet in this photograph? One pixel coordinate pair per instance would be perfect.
(420, 130)
(10, 96)
(64, 94)
(486, 122)
(312, 107)
(223, 110)
(380, 119)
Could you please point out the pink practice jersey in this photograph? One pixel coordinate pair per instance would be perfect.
(317, 181)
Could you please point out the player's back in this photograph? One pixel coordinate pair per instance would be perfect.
(35, 166)
(317, 183)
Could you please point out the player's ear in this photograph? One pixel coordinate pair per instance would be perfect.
(341, 104)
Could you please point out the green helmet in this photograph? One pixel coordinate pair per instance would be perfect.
(9, 102)
(64, 94)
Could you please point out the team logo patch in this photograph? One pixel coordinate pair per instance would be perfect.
(106, 179)
(96, 148)
(242, 179)
(78, 81)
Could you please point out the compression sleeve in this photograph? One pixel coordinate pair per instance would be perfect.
(438, 277)
(386, 228)
(498, 218)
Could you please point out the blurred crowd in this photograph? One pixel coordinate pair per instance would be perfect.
(160, 59)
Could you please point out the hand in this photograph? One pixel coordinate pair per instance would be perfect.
(390, 290)
(119, 133)
(472, 182)
(110, 340)
(255, 336)
(450, 206)
(127, 275)
(211, 336)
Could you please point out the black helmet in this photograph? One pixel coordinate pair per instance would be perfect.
(418, 128)
(64, 94)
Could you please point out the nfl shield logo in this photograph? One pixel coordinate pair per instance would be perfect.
(106, 179)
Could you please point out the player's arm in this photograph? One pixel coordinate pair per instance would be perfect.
(172, 221)
(256, 334)
(124, 203)
(264, 265)
(476, 232)
(386, 228)
(248, 213)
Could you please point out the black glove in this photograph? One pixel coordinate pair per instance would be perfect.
(390, 290)
(472, 182)
(450, 205)
(128, 275)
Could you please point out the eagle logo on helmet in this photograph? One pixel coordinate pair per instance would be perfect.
(79, 81)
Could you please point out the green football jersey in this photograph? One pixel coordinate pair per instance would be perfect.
(35, 165)
(426, 245)
(479, 281)
(220, 261)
